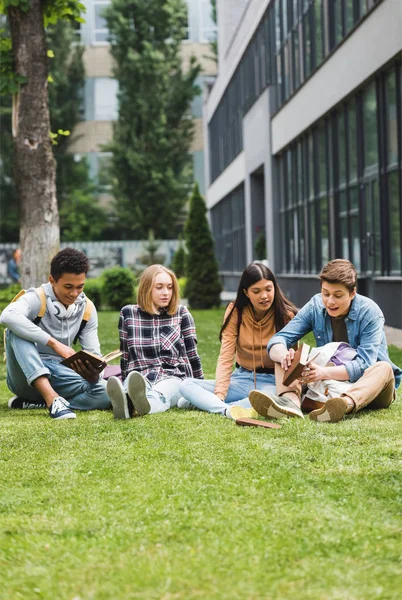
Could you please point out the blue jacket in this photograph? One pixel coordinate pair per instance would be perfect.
(365, 327)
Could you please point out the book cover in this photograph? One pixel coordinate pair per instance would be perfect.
(303, 355)
(245, 422)
(99, 362)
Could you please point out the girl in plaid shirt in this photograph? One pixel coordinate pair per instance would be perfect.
(159, 346)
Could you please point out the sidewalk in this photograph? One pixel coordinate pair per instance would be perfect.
(394, 336)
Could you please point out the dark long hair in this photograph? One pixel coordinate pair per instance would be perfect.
(251, 275)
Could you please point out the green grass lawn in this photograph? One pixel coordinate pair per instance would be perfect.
(186, 505)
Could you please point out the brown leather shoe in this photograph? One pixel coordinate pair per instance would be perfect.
(333, 411)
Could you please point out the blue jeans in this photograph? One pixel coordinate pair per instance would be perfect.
(24, 366)
(200, 391)
(162, 395)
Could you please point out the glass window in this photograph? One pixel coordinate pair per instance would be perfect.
(104, 171)
(392, 120)
(278, 30)
(370, 127)
(395, 220)
(286, 74)
(343, 217)
(342, 147)
(307, 45)
(338, 21)
(285, 17)
(208, 28)
(324, 230)
(296, 59)
(106, 99)
(318, 21)
(352, 141)
(322, 157)
(349, 15)
(101, 32)
(186, 21)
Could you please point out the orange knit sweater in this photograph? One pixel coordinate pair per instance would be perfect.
(248, 345)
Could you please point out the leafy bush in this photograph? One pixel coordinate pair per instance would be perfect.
(182, 281)
(8, 293)
(118, 287)
(93, 289)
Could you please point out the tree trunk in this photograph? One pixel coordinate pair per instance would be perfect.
(34, 164)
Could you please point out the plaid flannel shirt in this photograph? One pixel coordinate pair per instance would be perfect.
(158, 346)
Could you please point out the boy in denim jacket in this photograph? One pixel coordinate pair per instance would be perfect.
(337, 314)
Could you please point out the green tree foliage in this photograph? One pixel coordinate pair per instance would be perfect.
(179, 261)
(203, 286)
(153, 133)
(9, 209)
(81, 217)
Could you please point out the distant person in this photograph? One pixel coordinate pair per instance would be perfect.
(13, 266)
(250, 322)
(338, 314)
(159, 345)
(35, 346)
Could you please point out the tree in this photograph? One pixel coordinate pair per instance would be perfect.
(203, 286)
(25, 76)
(9, 210)
(152, 136)
(179, 261)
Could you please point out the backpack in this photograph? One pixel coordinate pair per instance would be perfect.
(89, 306)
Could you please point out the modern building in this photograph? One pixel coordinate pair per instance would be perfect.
(304, 128)
(100, 94)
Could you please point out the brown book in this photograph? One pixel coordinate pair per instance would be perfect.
(303, 356)
(99, 362)
(256, 423)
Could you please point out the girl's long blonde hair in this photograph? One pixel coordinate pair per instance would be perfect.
(146, 282)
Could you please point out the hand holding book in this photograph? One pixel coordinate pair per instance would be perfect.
(303, 356)
(89, 358)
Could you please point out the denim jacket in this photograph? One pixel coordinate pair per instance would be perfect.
(365, 327)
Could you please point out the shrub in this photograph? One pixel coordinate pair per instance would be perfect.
(93, 289)
(8, 293)
(179, 261)
(117, 290)
(182, 281)
(203, 286)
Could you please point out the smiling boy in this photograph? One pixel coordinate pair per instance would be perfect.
(338, 314)
(36, 345)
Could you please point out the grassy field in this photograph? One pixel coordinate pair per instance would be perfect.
(186, 505)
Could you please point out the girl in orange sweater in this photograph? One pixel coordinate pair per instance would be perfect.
(258, 312)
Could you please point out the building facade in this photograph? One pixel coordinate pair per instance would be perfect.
(304, 127)
(100, 107)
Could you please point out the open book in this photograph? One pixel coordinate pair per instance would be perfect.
(99, 362)
(303, 356)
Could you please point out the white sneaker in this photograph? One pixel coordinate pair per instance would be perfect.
(137, 392)
(121, 404)
(59, 409)
(183, 403)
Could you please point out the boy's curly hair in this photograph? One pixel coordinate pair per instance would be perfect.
(68, 260)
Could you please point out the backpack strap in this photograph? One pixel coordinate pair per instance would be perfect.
(89, 307)
(42, 296)
(42, 309)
